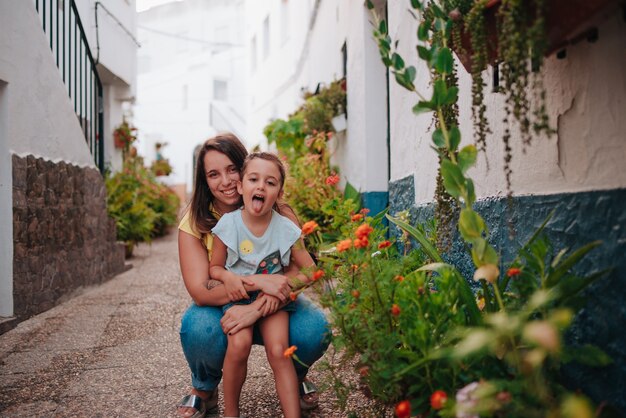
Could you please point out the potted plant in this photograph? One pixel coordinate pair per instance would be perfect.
(124, 135)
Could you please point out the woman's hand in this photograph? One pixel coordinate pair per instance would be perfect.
(270, 305)
(274, 284)
(239, 317)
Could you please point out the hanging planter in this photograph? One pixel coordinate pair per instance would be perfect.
(566, 21)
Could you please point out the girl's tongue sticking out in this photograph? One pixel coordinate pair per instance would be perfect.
(257, 203)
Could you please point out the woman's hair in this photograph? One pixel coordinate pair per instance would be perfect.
(201, 218)
(268, 156)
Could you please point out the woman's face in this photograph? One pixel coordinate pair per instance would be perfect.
(222, 177)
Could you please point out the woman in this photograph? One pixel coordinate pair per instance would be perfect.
(203, 328)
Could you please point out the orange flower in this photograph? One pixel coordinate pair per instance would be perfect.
(356, 294)
(293, 296)
(332, 179)
(357, 217)
(399, 278)
(513, 271)
(317, 275)
(365, 211)
(403, 409)
(363, 231)
(309, 227)
(395, 310)
(361, 242)
(438, 399)
(354, 267)
(384, 244)
(344, 245)
(289, 352)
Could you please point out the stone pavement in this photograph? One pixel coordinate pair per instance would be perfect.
(113, 351)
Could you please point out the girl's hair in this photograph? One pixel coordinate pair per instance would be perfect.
(268, 156)
(201, 218)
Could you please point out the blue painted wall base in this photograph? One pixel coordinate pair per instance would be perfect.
(376, 202)
(579, 219)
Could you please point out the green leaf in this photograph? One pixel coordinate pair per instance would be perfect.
(439, 139)
(453, 179)
(410, 73)
(382, 27)
(470, 197)
(400, 79)
(398, 62)
(350, 192)
(483, 253)
(422, 30)
(574, 285)
(587, 354)
(424, 53)
(451, 95)
(416, 4)
(467, 157)
(554, 277)
(471, 225)
(369, 4)
(422, 107)
(444, 61)
(455, 138)
(440, 93)
(428, 248)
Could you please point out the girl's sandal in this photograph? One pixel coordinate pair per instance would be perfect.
(308, 390)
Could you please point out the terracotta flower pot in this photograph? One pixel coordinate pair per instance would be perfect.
(566, 22)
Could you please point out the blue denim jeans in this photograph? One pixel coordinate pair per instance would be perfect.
(204, 342)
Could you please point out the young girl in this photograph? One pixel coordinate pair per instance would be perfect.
(258, 240)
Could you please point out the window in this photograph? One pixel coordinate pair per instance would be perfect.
(220, 90)
(266, 37)
(253, 54)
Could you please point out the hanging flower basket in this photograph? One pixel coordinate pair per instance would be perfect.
(566, 21)
(123, 136)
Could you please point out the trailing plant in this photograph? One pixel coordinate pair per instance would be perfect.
(416, 328)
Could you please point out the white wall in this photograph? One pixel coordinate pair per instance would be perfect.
(185, 47)
(586, 103)
(35, 91)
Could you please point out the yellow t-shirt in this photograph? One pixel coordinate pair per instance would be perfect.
(207, 241)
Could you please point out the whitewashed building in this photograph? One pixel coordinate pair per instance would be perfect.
(191, 80)
(66, 69)
(386, 150)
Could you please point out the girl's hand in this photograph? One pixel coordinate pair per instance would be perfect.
(275, 285)
(270, 304)
(235, 289)
(239, 317)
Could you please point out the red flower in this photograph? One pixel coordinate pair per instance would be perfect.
(317, 275)
(513, 271)
(344, 245)
(289, 352)
(395, 310)
(356, 294)
(365, 211)
(438, 399)
(403, 409)
(399, 278)
(363, 231)
(384, 244)
(354, 267)
(364, 371)
(332, 179)
(357, 217)
(309, 227)
(293, 296)
(361, 242)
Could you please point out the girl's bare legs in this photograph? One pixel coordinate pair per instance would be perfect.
(275, 332)
(235, 369)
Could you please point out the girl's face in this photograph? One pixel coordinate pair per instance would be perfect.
(222, 177)
(260, 186)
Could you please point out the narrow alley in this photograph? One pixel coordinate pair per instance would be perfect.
(113, 351)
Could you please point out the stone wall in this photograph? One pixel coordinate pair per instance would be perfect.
(63, 238)
(579, 218)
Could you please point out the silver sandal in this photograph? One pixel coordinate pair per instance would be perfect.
(202, 406)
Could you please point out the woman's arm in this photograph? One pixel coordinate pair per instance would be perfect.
(194, 266)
